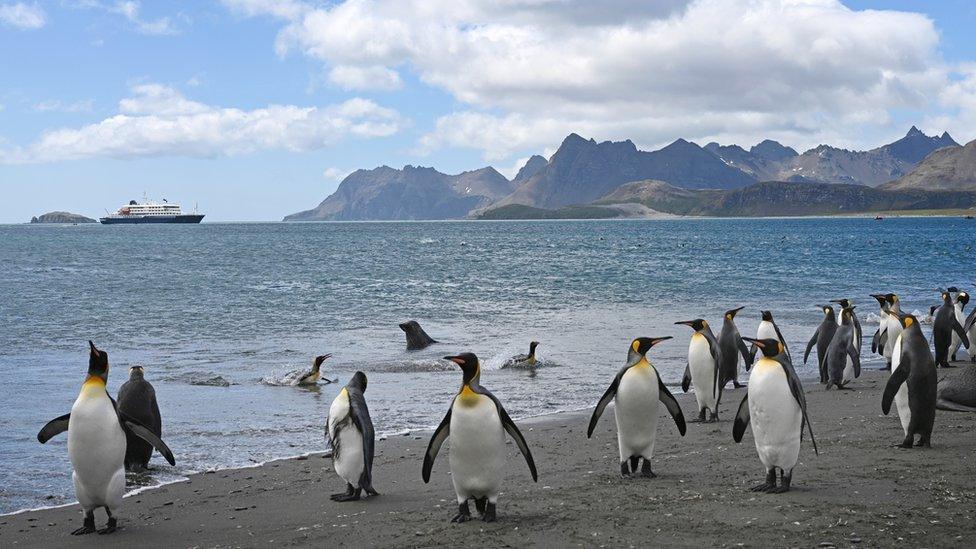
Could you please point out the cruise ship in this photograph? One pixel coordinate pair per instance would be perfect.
(148, 211)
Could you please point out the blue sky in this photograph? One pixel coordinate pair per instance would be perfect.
(255, 109)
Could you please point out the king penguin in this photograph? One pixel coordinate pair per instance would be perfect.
(732, 347)
(916, 369)
(777, 409)
(96, 444)
(890, 326)
(704, 360)
(943, 328)
(636, 391)
(768, 329)
(349, 430)
(312, 377)
(858, 334)
(477, 423)
(137, 399)
(841, 361)
(822, 338)
(962, 299)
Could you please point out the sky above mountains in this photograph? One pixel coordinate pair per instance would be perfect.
(257, 108)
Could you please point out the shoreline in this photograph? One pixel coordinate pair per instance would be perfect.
(859, 491)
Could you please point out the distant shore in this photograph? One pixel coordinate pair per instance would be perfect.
(858, 492)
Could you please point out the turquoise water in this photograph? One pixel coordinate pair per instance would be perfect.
(244, 304)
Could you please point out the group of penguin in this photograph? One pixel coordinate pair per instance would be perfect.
(106, 438)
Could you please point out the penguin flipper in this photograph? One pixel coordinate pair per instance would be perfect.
(810, 344)
(746, 355)
(796, 388)
(440, 435)
(360, 418)
(956, 327)
(53, 428)
(686, 379)
(855, 360)
(741, 419)
(970, 320)
(858, 332)
(604, 401)
(876, 341)
(516, 435)
(895, 380)
(144, 433)
(672, 405)
(781, 339)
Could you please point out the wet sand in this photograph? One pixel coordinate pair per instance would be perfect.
(859, 492)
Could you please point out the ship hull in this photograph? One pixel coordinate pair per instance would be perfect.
(139, 220)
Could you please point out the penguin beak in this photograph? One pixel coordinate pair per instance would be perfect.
(685, 322)
(94, 350)
(455, 359)
(755, 342)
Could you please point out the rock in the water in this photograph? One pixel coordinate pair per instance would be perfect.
(61, 217)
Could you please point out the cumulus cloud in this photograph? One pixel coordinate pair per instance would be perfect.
(22, 16)
(158, 120)
(335, 174)
(525, 71)
(350, 77)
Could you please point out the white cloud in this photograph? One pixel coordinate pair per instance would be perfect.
(56, 105)
(283, 9)
(351, 77)
(529, 71)
(335, 174)
(157, 120)
(131, 11)
(22, 16)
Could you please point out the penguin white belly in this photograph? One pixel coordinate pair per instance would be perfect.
(971, 335)
(477, 454)
(96, 447)
(955, 342)
(637, 402)
(702, 367)
(766, 330)
(775, 416)
(348, 461)
(901, 397)
(894, 329)
(848, 372)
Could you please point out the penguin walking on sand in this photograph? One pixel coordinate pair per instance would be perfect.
(822, 338)
(768, 329)
(916, 369)
(959, 304)
(732, 347)
(841, 361)
(477, 423)
(349, 430)
(944, 327)
(889, 328)
(636, 391)
(137, 399)
(97, 432)
(858, 334)
(777, 409)
(703, 369)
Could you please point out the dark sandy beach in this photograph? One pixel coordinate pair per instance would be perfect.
(859, 492)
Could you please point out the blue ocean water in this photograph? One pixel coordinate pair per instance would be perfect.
(241, 305)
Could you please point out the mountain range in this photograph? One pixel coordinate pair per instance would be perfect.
(583, 171)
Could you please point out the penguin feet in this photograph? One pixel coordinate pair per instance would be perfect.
(489, 514)
(646, 470)
(464, 513)
(88, 527)
(778, 490)
(479, 505)
(764, 487)
(351, 494)
(110, 527)
(701, 417)
(624, 469)
(713, 418)
(737, 385)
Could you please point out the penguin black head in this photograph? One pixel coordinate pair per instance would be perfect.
(767, 316)
(319, 360)
(946, 297)
(640, 346)
(891, 299)
(469, 365)
(97, 362)
(847, 312)
(136, 372)
(770, 347)
(730, 314)
(697, 325)
(907, 320)
(882, 299)
(358, 381)
(952, 289)
(827, 309)
(532, 346)
(963, 298)
(842, 302)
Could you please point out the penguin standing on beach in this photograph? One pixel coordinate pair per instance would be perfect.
(703, 370)
(97, 432)
(636, 391)
(961, 300)
(137, 399)
(889, 328)
(970, 327)
(349, 429)
(768, 329)
(943, 328)
(477, 423)
(777, 409)
(841, 361)
(822, 338)
(916, 369)
(732, 347)
(848, 304)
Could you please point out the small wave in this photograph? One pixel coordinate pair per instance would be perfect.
(291, 379)
(427, 241)
(215, 381)
(413, 366)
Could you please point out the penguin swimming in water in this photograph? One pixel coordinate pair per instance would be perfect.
(349, 430)
(312, 377)
(732, 347)
(943, 328)
(137, 399)
(477, 423)
(822, 338)
(523, 361)
(889, 328)
(767, 330)
(961, 300)
(703, 370)
(96, 444)
(841, 361)
(777, 409)
(916, 369)
(637, 391)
